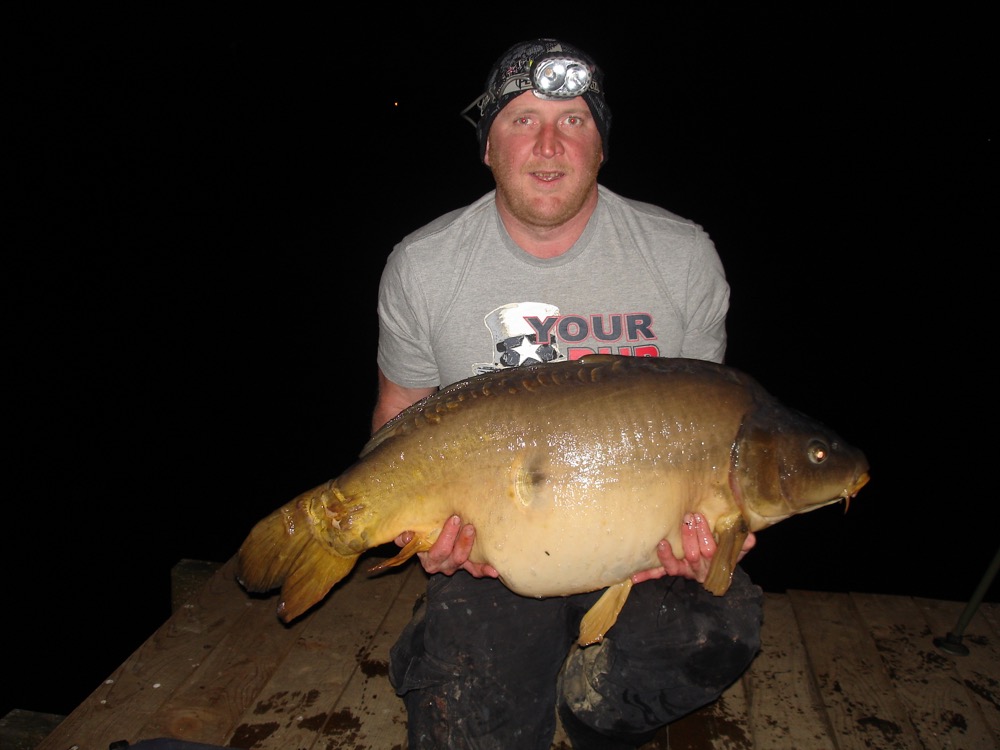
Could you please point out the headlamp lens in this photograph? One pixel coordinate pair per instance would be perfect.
(560, 77)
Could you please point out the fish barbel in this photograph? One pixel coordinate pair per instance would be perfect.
(571, 473)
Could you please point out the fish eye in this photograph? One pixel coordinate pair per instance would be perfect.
(818, 451)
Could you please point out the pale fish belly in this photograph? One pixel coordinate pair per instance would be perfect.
(566, 539)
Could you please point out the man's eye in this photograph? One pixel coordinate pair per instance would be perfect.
(573, 120)
(523, 120)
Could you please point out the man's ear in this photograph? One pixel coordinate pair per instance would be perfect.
(486, 154)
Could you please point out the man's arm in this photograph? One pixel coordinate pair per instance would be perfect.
(393, 398)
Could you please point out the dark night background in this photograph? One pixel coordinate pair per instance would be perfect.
(202, 206)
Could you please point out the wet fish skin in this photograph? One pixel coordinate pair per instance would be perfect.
(571, 473)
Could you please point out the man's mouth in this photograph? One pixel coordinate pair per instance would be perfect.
(547, 176)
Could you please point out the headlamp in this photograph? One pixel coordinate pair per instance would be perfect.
(552, 77)
(560, 77)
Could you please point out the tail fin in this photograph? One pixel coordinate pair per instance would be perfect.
(283, 550)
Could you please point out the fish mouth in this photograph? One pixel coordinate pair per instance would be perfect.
(854, 489)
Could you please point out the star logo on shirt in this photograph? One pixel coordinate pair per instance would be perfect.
(527, 350)
(522, 350)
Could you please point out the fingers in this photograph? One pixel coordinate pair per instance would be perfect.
(445, 543)
(480, 570)
(691, 539)
(489, 571)
(748, 544)
(450, 552)
(460, 555)
(670, 565)
(698, 545)
(437, 558)
(463, 542)
(706, 540)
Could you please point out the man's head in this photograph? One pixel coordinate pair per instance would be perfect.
(551, 70)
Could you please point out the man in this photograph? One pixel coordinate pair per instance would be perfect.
(552, 266)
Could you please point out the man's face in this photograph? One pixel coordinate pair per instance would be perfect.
(544, 156)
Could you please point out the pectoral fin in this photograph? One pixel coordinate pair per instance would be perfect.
(730, 533)
(419, 543)
(604, 613)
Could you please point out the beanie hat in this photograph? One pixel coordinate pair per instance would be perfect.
(511, 76)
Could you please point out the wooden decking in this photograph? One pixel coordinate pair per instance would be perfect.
(836, 672)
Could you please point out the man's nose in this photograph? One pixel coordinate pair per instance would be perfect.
(548, 143)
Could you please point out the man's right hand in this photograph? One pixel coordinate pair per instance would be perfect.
(699, 548)
(451, 551)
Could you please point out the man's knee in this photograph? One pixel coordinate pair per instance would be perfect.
(678, 649)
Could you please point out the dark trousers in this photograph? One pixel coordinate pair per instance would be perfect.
(481, 667)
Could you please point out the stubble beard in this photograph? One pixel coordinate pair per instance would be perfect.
(543, 212)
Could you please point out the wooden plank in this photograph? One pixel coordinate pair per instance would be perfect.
(979, 671)
(207, 705)
(990, 612)
(369, 713)
(120, 707)
(308, 698)
(835, 671)
(186, 579)
(785, 709)
(857, 695)
(941, 710)
(722, 725)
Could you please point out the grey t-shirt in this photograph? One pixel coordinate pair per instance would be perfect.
(458, 297)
